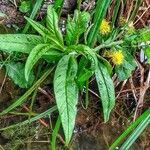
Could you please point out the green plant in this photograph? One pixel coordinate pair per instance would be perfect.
(75, 59)
(134, 129)
(36, 7)
(65, 86)
(25, 6)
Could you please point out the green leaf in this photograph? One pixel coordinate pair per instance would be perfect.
(52, 55)
(86, 64)
(106, 63)
(52, 25)
(144, 34)
(131, 127)
(76, 26)
(85, 71)
(19, 42)
(100, 11)
(38, 27)
(25, 6)
(147, 51)
(66, 93)
(35, 9)
(106, 89)
(16, 73)
(115, 12)
(124, 70)
(34, 56)
(104, 81)
(55, 133)
(58, 4)
(52, 35)
(136, 133)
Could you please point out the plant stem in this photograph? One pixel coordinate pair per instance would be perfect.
(79, 4)
(58, 5)
(55, 132)
(22, 114)
(105, 45)
(135, 11)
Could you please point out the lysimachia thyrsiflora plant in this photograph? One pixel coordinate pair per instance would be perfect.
(74, 63)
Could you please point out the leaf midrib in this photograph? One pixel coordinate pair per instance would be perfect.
(66, 93)
(106, 90)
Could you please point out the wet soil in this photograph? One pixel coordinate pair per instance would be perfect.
(11, 15)
(90, 132)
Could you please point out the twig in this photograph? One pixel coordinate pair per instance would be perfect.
(143, 89)
(40, 120)
(123, 84)
(142, 15)
(105, 45)
(133, 88)
(91, 91)
(45, 93)
(1, 88)
(130, 10)
(1, 147)
(127, 90)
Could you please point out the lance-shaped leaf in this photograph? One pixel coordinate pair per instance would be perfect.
(66, 93)
(84, 72)
(52, 55)
(34, 56)
(48, 36)
(19, 42)
(76, 26)
(52, 25)
(38, 27)
(16, 73)
(106, 89)
(100, 11)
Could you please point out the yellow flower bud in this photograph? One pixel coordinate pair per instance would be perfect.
(116, 57)
(104, 27)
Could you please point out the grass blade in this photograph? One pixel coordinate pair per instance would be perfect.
(55, 132)
(135, 11)
(33, 14)
(131, 139)
(115, 13)
(41, 115)
(129, 129)
(101, 8)
(24, 97)
(58, 5)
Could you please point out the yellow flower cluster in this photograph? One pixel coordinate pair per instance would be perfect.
(122, 21)
(104, 27)
(115, 56)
